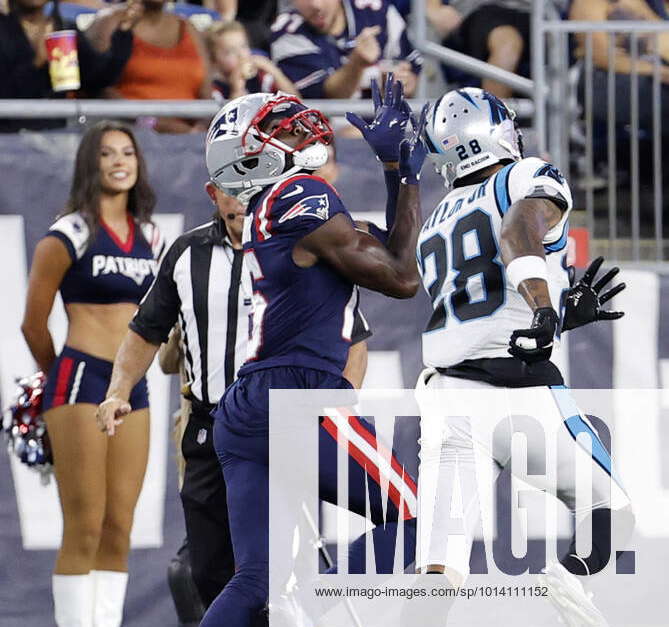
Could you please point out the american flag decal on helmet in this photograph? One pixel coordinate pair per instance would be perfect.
(450, 141)
(316, 206)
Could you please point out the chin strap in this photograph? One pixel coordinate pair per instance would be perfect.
(312, 157)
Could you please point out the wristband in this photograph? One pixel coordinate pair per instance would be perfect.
(527, 267)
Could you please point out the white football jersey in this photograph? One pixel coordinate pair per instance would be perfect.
(475, 308)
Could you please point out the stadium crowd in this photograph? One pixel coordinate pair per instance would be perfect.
(221, 49)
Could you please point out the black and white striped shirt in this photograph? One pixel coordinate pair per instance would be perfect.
(202, 283)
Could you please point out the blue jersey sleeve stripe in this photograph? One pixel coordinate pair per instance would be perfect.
(502, 196)
(561, 243)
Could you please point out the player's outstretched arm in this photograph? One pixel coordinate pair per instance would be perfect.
(131, 363)
(361, 258)
(523, 230)
(384, 135)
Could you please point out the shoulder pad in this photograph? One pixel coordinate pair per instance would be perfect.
(531, 178)
(302, 195)
(535, 178)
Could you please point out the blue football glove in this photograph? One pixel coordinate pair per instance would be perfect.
(413, 151)
(391, 115)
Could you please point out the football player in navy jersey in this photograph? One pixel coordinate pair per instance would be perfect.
(306, 257)
(332, 48)
(102, 255)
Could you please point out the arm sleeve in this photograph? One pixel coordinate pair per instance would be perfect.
(159, 309)
(392, 179)
(535, 178)
(103, 69)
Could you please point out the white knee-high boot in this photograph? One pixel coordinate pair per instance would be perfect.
(73, 600)
(109, 597)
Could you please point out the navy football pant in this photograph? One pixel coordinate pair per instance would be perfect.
(241, 441)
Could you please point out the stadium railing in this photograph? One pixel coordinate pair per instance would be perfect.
(75, 109)
(558, 118)
(557, 123)
(554, 108)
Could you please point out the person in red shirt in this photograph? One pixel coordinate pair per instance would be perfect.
(169, 61)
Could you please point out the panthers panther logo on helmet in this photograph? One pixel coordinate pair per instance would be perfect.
(244, 154)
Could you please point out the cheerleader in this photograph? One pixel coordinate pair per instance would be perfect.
(101, 253)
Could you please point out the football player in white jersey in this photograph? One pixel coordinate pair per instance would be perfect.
(492, 259)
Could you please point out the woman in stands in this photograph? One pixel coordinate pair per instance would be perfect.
(101, 253)
(169, 61)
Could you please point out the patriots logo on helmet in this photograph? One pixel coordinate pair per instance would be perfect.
(225, 125)
(316, 206)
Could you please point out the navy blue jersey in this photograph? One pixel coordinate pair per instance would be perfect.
(104, 269)
(301, 316)
(308, 57)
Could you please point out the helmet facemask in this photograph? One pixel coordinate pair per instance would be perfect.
(310, 153)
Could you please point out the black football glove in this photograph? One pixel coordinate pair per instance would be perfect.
(536, 343)
(584, 304)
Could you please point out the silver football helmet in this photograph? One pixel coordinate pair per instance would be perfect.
(470, 129)
(242, 157)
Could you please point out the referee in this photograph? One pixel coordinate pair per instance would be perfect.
(203, 285)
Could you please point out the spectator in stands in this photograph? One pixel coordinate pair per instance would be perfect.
(24, 69)
(237, 71)
(255, 15)
(497, 32)
(169, 61)
(601, 10)
(332, 50)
